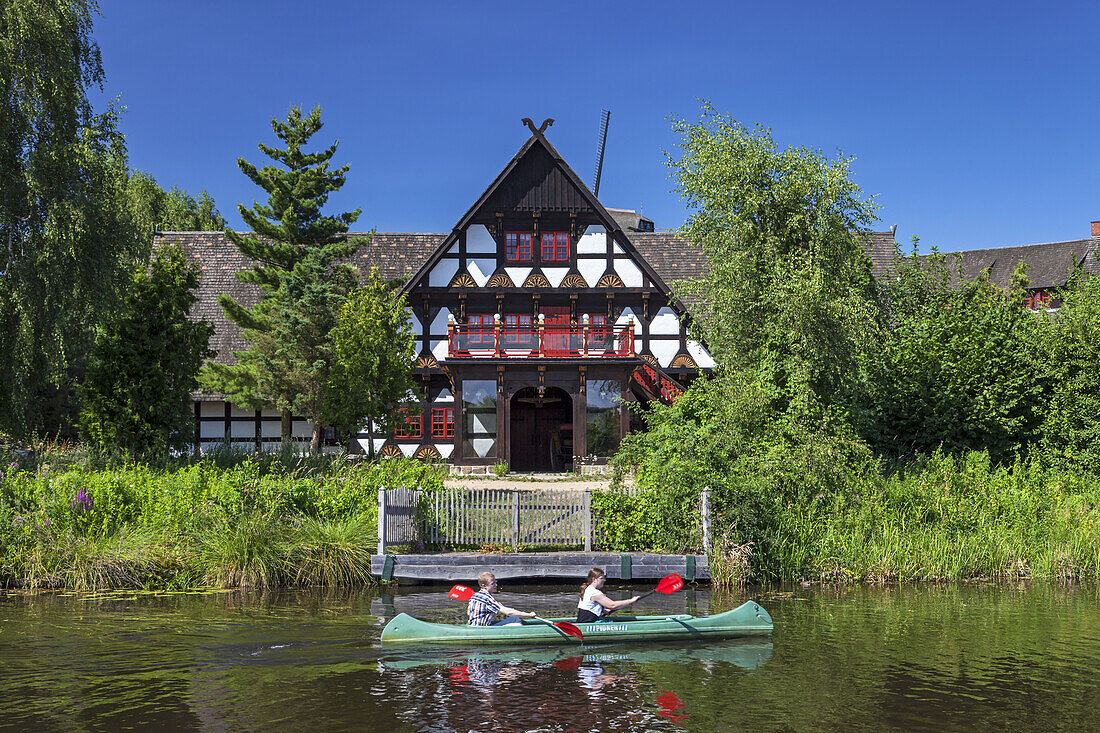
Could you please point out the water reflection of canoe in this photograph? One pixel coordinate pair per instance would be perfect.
(748, 619)
(748, 653)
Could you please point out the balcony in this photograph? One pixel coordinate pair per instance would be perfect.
(550, 340)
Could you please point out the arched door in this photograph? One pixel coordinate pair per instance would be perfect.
(541, 430)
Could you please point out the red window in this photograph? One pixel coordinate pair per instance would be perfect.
(555, 247)
(410, 424)
(1037, 299)
(517, 330)
(481, 329)
(443, 422)
(517, 246)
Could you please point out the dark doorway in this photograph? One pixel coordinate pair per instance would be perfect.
(542, 430)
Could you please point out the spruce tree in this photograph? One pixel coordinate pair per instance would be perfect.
(288, 235)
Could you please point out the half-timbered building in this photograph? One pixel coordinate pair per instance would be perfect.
(538, 320)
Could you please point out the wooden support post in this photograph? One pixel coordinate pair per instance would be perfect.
(625, 569)
(515, 520)
(704, 499)
(381, 520)
(587, 520)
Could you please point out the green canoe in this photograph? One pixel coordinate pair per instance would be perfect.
(748, 619)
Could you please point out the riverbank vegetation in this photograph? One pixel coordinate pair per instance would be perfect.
(224, 521)
(917, 426)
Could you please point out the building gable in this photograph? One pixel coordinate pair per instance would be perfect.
(537, 196)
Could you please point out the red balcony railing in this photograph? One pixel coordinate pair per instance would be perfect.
(545, 340)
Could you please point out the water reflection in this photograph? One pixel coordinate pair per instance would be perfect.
(937, 657)
(564, 687)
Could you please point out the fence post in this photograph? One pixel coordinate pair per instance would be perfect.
(705, 500)
(381, 520)
(515, 520)
(587, 520)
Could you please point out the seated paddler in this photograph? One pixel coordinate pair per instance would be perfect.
(594, 603)
(483, 608)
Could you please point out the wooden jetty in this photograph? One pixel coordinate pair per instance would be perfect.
(464, 566)
(553, 521)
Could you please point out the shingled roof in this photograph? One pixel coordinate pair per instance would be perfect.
(1048, 264)
(398, 256)
(395, 255)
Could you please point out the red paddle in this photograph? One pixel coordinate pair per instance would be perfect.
(668, 584)
(462, 593)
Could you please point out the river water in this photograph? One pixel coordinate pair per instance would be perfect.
(954, 657)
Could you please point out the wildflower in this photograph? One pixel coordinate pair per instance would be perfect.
(83, 500)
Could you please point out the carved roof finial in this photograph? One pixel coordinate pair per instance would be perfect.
(545, 123)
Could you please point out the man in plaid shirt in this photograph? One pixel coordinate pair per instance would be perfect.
(483, 608)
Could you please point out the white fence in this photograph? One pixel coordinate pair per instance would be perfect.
(501, 517)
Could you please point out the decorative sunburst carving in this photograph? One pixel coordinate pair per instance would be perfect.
(427, 453)
(501, 280)
(536, 280)
(427, 362)
(574, 281)
(650, 358)
(683, 361)
(610, 280)
(391, 451)
(462, 280)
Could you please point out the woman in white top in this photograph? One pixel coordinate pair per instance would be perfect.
(593, 602)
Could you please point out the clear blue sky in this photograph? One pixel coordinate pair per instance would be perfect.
(974, 123)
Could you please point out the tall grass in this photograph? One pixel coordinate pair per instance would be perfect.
(244, 522)
(332, 553)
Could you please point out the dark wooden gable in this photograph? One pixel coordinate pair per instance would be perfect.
(538, 180)
(536, 183)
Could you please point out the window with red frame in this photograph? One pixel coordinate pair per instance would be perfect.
(597, 330)
(517, 330)
(1037, 299)
(517, 246)
(555, 247)
(481, 329)
(410, 424)
(443, 422)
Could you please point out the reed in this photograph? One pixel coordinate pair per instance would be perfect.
(245, 553)
(332, 553)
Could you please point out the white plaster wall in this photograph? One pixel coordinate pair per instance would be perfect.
(592, 270)
(438, 329)
(629, 272)
(702, 359)
(444, 396)
(555, 274)
(479, 241)
(665, 323)
(441, 274)
(212, 409)
(439, 349)
(301, 429)
(407, 449)
(242, 429)
(518, 274)
(665, 351)
(481, 270)
(593, 242)
(445, 449)
(415, 324)
(211, 431)
(271, 429)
